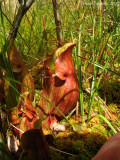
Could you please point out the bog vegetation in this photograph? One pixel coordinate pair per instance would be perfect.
(76, 85)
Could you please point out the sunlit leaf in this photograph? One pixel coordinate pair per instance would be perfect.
(60, 85)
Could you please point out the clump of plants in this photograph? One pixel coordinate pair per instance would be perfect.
(42, 86)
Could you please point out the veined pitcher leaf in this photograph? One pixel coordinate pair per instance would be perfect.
(50, 61)
(24, 115)
(60, 86)
(29, 115)
(28, 85)
(20, 74)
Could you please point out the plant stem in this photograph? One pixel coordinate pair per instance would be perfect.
(57, 22)
(21, 12)
(80, 78)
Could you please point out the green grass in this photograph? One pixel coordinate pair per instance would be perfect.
(5, 63)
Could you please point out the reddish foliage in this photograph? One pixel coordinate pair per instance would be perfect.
(24, 116)
(29, 82)
(29, 116)
(60, 85)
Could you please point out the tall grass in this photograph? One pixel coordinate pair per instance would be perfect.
(5, 63)
(80, 77)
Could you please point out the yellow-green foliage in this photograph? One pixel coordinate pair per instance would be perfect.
(84, 144)
(99, 128)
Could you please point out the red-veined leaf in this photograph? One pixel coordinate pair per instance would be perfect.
(60, 85)
(28, 82)
(24, 115)
(29, 115)
(20, 74)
